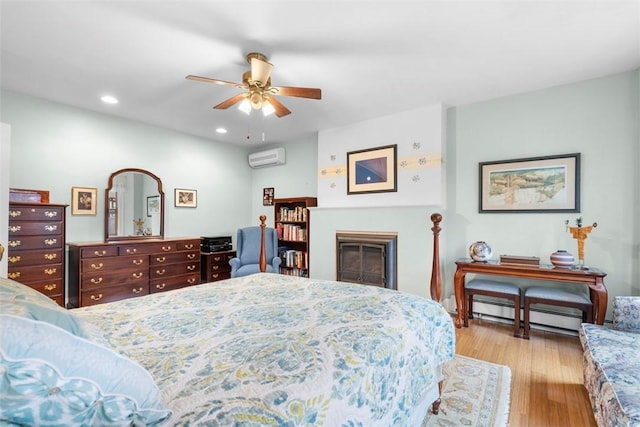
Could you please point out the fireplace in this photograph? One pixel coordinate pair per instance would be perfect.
(369, 258)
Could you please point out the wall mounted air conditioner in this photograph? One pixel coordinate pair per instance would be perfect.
(267, 158)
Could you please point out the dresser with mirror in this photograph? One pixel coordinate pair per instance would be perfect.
(135, 257)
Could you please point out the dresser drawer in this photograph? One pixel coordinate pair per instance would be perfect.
(188, 245)
(148, 248)
(161, 259)
(36, 213)
(110, 264)
(51, 288)
(37, 257)
(159, 271)
(214, 277)
(134, 277)
(24, 228)
(20, 243)
(27, 274)
(113, 293)
(98, 251)
(175, 282)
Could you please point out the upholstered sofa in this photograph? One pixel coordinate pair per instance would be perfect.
(611, 365)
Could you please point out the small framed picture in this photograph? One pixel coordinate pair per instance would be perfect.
(153, 205)
(267, 196)
(186, 198)
(84, 200)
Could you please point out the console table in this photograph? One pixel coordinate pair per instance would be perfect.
(592, 277)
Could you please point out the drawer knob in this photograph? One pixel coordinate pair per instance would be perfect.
(50, 271)
(137, 275)
(13, 275)
(191, 281)
(161, 259)
(217, 258)
(50, 227)
(97, 266)
(14, 243)
(50, 242)
(191, 267)
(191, 256)
(161, 272)
(138, 261)
(96, 280)
(166, 248)
(50, 257)
(215, 267)
(131, 250)
(51, 214)
(188, 246)
(100, 253)
(15, 228)
(14, 214)
(14, 259)
(50, 287)
(160, 286)
(136, 290)
(96, 298)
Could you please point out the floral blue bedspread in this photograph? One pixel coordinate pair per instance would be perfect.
(271, 349)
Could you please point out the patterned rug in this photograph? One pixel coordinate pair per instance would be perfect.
(475, 393)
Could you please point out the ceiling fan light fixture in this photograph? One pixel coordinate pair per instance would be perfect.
(267, 109)
(245, 106)
(256, 100)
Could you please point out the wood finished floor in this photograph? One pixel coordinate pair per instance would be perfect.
(546, 373)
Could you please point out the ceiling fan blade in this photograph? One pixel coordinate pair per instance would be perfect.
(260, 71)
(231, 101)
(280, 109)
(300, 92)
(216, 81)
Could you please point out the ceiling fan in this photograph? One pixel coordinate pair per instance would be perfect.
(259, 92)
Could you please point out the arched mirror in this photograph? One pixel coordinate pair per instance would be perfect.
(134, 206)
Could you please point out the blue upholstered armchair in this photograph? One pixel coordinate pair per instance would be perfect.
(248, 245)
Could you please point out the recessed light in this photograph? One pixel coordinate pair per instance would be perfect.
(221, 130)
(108, 99)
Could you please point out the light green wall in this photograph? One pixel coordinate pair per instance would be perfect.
(597, 118)
(296, 178)
(55, 147)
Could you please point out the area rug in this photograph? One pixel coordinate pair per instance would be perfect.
(475, 393)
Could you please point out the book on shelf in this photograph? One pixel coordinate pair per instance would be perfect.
(293, 214)
(519, 260)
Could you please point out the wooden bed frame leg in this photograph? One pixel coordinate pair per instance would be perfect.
(435, 406)
(436, 280)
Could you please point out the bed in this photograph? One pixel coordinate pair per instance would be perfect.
(264, 349)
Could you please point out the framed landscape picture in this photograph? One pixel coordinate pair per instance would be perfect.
(536, 184)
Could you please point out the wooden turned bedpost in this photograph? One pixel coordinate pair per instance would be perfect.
(263, 249)
(436, 280)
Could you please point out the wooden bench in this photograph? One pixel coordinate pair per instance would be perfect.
(494, 289)
(559, 297)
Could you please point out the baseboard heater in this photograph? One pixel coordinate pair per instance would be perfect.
(540, 318)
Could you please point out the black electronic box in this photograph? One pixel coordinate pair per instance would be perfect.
(215, 244)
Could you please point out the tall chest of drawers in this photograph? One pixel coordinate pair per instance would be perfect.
(36, 252)
(103, 272)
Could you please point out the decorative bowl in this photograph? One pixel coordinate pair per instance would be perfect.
(562, 259)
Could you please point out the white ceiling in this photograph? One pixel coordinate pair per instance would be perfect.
(370, 58)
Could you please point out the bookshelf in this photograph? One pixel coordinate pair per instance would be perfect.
(293, 225)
